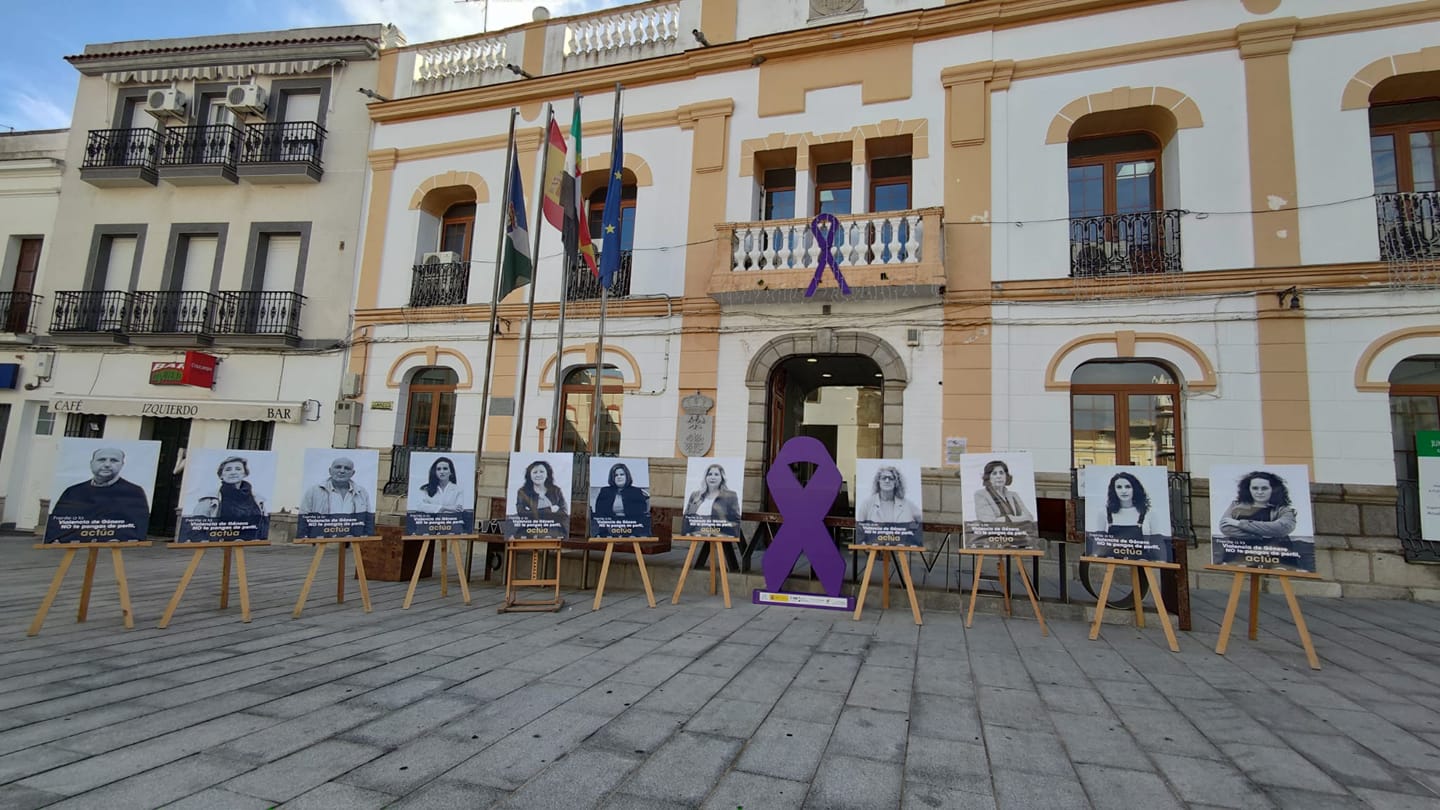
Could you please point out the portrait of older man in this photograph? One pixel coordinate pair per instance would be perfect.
(105, 497)
(338, 494)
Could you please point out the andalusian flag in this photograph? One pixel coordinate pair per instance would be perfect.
(516, 268)
(583, 244)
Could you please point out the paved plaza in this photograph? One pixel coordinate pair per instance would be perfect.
(448, 706)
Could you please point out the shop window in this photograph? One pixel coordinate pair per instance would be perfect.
(85, 425)
(250, 435)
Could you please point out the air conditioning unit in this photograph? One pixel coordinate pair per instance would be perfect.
(167, 103)
(246, 99)
(441, 257)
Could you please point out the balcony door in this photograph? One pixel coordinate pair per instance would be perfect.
(17, 315)
(1114, 185)
(430, 409)
(1405, 159)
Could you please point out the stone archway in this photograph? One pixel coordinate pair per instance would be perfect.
(827, 341)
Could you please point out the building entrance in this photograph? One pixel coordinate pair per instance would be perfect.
(173, 435)
(836, 398)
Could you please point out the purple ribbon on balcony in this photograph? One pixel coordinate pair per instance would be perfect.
(826, 227)
(803, 508)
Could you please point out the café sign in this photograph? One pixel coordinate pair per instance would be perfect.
(197, 369)
(181, 408)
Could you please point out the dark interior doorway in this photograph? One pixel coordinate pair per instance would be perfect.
(173, 435)
(836, 398)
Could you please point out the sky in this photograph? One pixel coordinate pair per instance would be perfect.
(38, 91)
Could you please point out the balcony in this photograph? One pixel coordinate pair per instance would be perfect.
(177, 318)
(199, 155)
(253, 317)
(1145, 243)
(1409, 226)
(282, 152)
(165, 317)
(120, 158)
(584, 286)
(18, 310)
(439, 285)
(880, 255)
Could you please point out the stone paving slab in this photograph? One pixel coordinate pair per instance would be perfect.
(691, 705)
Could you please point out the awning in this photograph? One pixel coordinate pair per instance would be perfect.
(180, 408)
(236, 72)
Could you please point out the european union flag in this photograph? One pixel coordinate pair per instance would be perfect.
(610, 222)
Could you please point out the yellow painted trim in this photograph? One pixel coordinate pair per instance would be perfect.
(372, 246)
(883, 72)
(514, 311)
(1284, 382)
(588, 353)
(450, 180)
(917, 128)
(1260, 6)
(717, 20)
(431, 356)
(1182, 107)
(1356, 95)
(1364, 366)
(1274, 191)
(635, 164)
(1126, 343)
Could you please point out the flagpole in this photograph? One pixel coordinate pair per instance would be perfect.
(534, 278)
(604, 298)
(495, 303)
(571, 256)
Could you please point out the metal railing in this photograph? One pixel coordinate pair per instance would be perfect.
(90, 311)
(1409, 224)
(439, 285)
(582, 286)
(18, 310)
(1136, 244)
(259, 313)
(283, 142)
(208, 145)
(167, 312)
(134, 147)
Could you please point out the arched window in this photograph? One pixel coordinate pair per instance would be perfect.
(430, 409)
(578, 398)
(1125, 412)
(457, 230)
(1405, 159)
(583, 285)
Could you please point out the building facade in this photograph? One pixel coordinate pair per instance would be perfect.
(1182, 234)
(208, 216)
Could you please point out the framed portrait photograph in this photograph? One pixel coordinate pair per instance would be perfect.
(338, 493)
(888, 511)
(619, 497)
(1260, 517)
(999, 491)
(713, 494)
(538, 496)
(226, 495)
(102, 490)
(441, 495)
(1127, 513)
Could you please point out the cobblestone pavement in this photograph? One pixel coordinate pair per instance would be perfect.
(693, 705)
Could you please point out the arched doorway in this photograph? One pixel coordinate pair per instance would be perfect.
(1414, 406)
(844, 388)
(430, 409)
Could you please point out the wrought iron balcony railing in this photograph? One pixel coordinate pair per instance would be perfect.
(582, 286)
(18, 310)
(439, 285)
(90, 311)
(209, 145)
(284, 142)
(1409, 224)
(121, 148)
(1135, 244)
(399, 478)
(248, 312)
(166, 312)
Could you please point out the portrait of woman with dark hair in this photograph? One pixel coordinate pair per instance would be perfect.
(440, 492)
(1128, 511)
(995, 502)
(621, 498)
(538, 497)
(1261, 509)
(235, 498)
(714, 499)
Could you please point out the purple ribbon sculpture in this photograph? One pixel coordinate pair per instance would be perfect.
(826, 227)
(803, 506)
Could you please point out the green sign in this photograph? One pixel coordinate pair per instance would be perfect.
(1427, 443)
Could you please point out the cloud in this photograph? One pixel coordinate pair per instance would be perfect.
(25, 107)
(428, 20)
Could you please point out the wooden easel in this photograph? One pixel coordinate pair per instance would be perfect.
(320, 543)
(1151, 576)
(715, 548)
(634, 542)
(120, 581)
(1255, 575)
(1002, 557)
(200, 548)
(449, 545)
(902, 559)
(537, 548)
